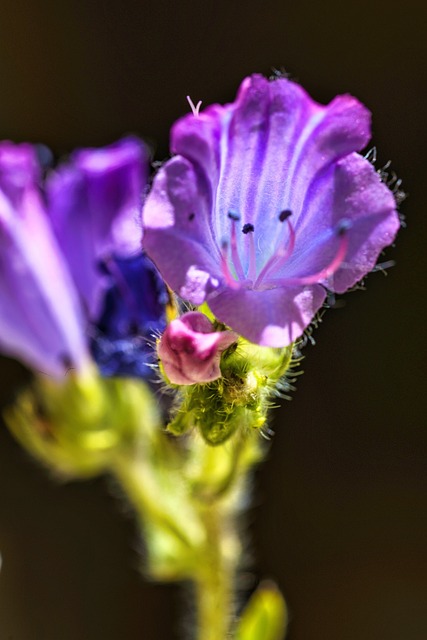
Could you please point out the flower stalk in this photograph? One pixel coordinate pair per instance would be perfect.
(216, 576)
(192, 535)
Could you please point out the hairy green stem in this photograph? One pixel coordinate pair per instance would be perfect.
(216, 576)
(189, 527)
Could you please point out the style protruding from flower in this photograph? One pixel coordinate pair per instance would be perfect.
(190, 349)
(267, 206)
(74, 283)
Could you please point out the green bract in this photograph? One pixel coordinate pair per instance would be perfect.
(239, 399)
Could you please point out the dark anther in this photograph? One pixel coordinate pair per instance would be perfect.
(248, 228)
(191, 216)
(284, 215)
(233, 215)
(342, 227)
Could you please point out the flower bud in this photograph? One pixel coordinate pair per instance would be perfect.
(78, 427)
(190, 350)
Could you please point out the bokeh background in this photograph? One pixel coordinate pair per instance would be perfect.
(339, 511)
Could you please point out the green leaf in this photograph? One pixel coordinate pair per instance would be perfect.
(265, 617)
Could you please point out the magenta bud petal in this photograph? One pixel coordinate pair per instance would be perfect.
(190, 350)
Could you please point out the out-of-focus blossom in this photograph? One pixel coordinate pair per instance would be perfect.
(41, 319)
(190, 349)
(73, 279)
(94, 203)
(266, 206)
(133, 312)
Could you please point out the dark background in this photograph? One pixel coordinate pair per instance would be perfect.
(339, 517)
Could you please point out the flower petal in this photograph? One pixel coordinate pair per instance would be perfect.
(261, 153)
(371, 208)
(198, 138)
(271, 318)
(94, 204)
(40, 316)
(177, 230)
(190, 349)
(351, 191)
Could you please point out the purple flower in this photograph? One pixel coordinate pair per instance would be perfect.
(73, 279)
(190, 349)
(41, 320)
(266, 206)
(94, 203)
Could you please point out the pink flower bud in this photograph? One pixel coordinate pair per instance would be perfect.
(190, 350)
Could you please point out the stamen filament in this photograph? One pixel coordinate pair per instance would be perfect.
(328, 271)
(252, 257)
(281, 256)
(237, 264)
(228, 276)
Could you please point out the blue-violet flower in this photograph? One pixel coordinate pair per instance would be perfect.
(73, 278)
(266, 206)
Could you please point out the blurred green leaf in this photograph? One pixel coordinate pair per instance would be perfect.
(265, 617)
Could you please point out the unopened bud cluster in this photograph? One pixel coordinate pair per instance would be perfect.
(225, 383)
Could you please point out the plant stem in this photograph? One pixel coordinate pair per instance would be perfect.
(187, 507)
(215, 577)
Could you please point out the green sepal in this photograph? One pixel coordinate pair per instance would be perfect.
(240, 399)
(265, 617)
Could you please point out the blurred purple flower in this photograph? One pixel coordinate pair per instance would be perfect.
(267, 206)
(73, 279)
(41, 320)
(94, 203)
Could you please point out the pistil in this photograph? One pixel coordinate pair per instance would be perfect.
(248, 230)
(235, 258)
